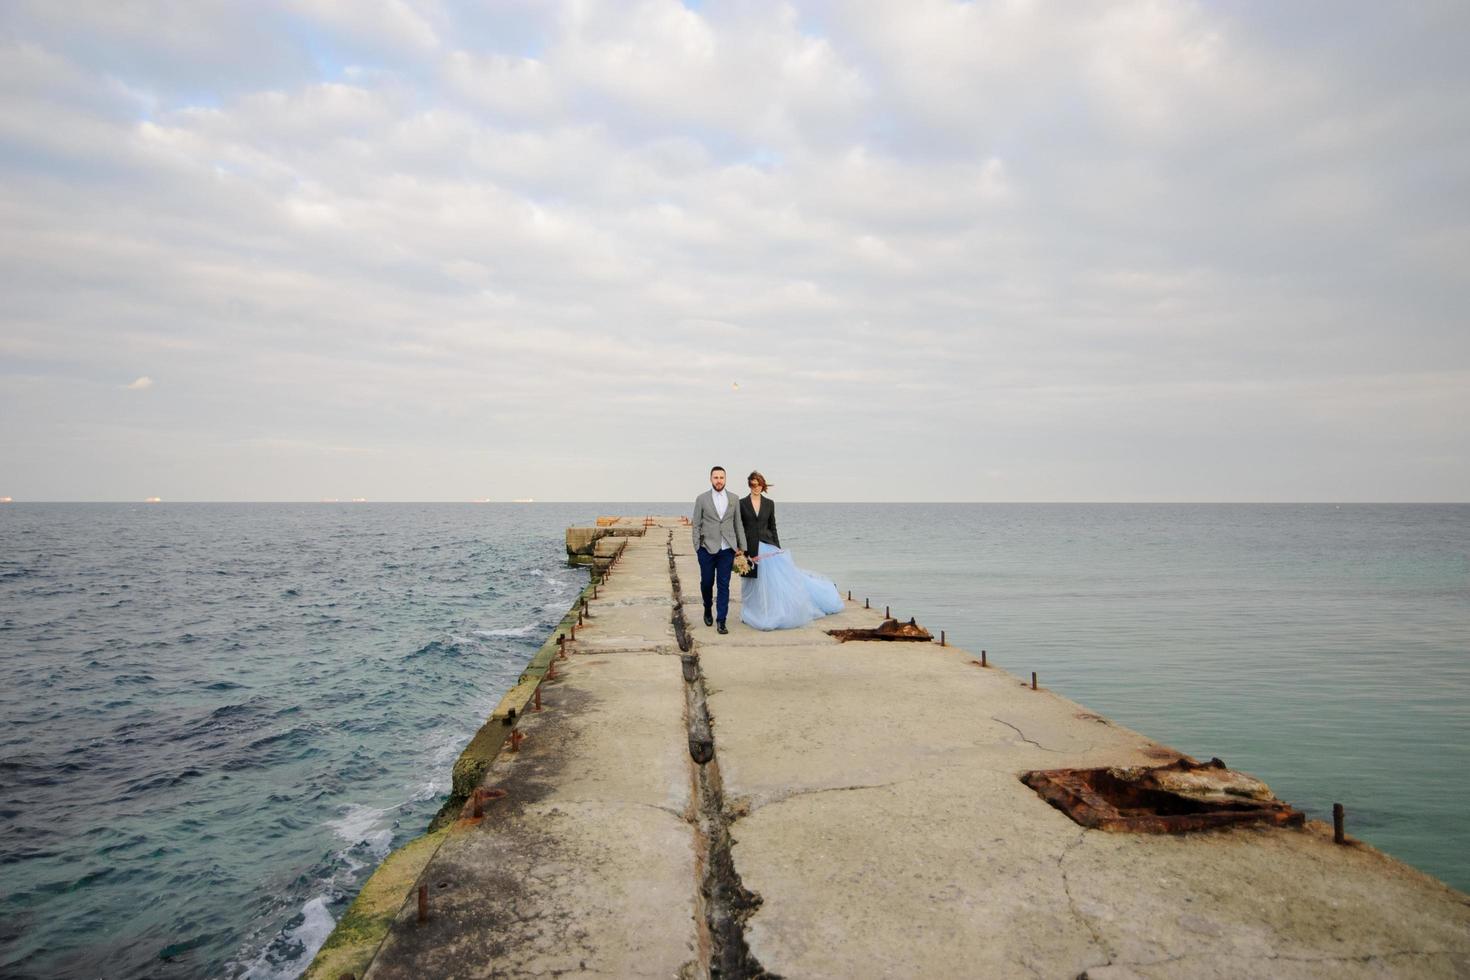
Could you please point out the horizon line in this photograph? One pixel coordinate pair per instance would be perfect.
(529, 503)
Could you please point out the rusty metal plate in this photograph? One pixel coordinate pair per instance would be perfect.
(891, 629)
(1183, 796)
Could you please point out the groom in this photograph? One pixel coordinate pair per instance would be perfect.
(718, 537)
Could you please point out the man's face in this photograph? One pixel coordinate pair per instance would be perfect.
(717, 479)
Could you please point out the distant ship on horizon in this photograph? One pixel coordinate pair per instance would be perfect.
(524, 500)
(7, 500)
(154, 500)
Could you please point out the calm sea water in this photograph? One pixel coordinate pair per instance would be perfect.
(217, 718)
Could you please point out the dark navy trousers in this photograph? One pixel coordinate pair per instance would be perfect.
(711, 567)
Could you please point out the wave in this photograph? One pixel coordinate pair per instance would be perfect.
(360, 823)
(287, 956)
(439, 648)
(527, 630)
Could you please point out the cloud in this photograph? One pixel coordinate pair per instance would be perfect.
(140, 384)
(445, 232)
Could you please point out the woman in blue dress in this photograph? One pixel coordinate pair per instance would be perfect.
(777, 595)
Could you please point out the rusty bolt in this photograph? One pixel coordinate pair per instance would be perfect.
(423, 903)
(550, 672)
(1338, 815)
(1033, 680)
(941, 638)
(538, 699)
(515, 739)
(982, 659)
(479, 810)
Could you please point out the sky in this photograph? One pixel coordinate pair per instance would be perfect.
(575, 250)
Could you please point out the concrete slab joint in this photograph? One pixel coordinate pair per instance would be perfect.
(726, 902)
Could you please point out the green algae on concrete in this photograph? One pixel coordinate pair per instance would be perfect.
(357, 935)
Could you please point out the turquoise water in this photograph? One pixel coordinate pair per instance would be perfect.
(218, 717)
(1324, 648)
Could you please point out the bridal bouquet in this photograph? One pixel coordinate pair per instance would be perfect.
(742, 565)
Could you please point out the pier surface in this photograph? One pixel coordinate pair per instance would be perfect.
(861, 816)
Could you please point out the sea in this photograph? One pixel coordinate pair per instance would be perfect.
(217, 718)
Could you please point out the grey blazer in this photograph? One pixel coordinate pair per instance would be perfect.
(708, 528)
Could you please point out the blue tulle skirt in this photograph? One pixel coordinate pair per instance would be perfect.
(782, 596)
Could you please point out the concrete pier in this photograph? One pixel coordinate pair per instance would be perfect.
(860, 815)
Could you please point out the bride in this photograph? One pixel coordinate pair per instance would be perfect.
(777, 595)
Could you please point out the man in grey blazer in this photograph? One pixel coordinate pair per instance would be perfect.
(719, 536)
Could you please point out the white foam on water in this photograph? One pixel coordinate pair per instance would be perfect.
(526, 630)
(316, 925)
(425, 791)
(379, 844)
(315, 928)
(359, 823)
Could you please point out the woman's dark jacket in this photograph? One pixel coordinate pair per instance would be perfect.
(759, 527)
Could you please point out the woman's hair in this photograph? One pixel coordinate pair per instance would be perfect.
(756, 475)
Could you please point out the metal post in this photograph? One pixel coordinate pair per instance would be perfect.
(983, 662)
(423, 903)
(1033, 680)
(886, 613)
(941, 638)
(1338, 815)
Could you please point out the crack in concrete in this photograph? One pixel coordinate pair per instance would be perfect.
(1030, 740)
(748, 807)
(1097, 939)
